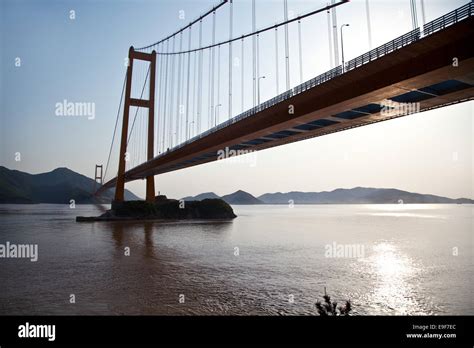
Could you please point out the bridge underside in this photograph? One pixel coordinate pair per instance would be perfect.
(423, 72)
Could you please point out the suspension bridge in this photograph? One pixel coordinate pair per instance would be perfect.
(199, 113)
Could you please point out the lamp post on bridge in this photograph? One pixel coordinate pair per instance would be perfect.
(342, 45)
(215, 113)
(191, 127)
(258, 89)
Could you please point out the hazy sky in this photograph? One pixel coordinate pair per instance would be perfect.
(82, 60)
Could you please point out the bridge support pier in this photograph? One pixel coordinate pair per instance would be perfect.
(150, 104)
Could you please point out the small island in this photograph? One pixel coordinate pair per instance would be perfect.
(165, 209)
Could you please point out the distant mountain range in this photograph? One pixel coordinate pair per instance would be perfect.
(58, 186)
(238, 197)
(357, 195)
(62, 184)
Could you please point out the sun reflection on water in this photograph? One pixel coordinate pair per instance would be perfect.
(428, 211)
(394, 274)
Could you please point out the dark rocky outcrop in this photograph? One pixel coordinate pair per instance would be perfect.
(166, 209)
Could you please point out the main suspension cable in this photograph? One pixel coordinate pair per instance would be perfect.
(116, 123)
(327, 7)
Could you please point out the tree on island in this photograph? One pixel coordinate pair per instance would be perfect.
(328, 308)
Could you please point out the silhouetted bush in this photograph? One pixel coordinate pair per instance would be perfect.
(328, 308)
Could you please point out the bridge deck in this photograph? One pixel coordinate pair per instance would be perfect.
(421, 71)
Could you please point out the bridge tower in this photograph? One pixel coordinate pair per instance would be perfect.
(98, 176)
(128, 102)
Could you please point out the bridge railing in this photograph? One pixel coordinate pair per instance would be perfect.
(391, 46)
(328, 75)
(275, 100)
(386, 48)
(449, 19)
